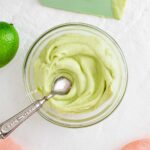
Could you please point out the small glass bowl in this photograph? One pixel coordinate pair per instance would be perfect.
(74, 120)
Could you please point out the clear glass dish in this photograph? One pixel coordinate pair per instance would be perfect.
(74, 120)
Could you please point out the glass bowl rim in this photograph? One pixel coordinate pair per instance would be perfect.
(82, 25)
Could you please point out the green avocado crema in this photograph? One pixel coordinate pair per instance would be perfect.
(89, 64)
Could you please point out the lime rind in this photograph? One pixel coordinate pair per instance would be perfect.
(118, 8)
(9, 43)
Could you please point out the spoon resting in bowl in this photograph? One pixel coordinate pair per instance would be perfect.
(61, 86)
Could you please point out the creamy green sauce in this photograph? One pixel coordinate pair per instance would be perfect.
(87, 61)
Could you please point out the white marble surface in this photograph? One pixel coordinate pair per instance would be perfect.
(130, 121)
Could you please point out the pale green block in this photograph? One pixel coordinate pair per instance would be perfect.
(104, 8)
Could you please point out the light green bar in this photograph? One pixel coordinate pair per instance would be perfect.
(104, 8)
(94, 7)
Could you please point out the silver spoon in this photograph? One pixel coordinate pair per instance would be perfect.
(61, 87)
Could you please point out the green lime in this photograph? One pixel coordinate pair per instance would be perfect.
(9, 43)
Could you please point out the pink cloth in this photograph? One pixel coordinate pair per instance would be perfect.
(9, 144)
(143, 144)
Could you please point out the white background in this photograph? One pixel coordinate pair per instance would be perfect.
(132, 118)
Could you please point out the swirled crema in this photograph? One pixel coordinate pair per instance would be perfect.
(87, 61)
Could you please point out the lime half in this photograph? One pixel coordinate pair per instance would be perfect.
(9, 43)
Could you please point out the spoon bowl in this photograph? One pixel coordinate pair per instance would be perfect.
(62, 86)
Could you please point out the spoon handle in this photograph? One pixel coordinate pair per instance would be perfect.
(11, 124)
